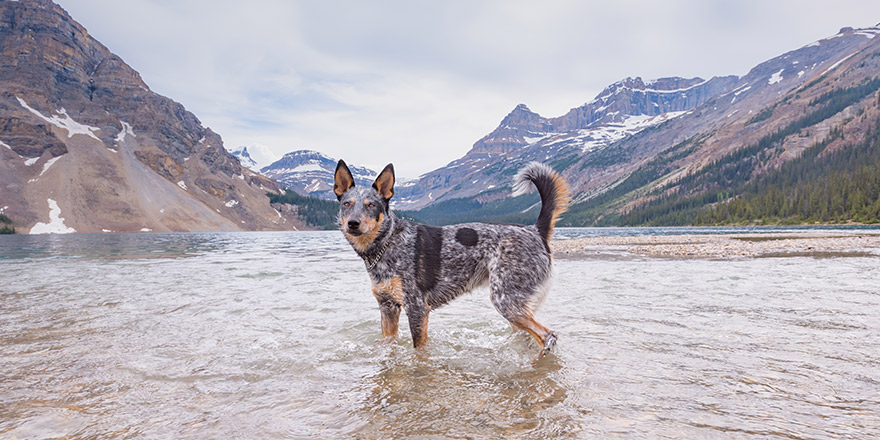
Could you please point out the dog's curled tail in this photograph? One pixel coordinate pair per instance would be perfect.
(553, 191)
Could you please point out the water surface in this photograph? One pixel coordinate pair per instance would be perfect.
(276, 335)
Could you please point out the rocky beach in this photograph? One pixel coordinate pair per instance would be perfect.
(726, 246)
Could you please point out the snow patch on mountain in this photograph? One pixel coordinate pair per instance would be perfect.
(126, 131)
(49, 164)
(591, 139)
(838, 63)
(66, 123)
(56, 222)
(776, 77)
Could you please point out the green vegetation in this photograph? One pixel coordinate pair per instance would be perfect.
(819, 186)
(565, 162)
(318, 213)
(843, 186)
(6, 226)
(738, 167)
(849, 94)
(595, 210)
(762, 115)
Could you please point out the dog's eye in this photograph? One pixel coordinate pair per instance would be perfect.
(371, 205)
(346, 204)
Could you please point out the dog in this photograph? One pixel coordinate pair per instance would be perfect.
(419, 268)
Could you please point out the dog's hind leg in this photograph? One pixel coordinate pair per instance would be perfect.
(521, 318)
(515, 296)
(515, 305)
(545, 337)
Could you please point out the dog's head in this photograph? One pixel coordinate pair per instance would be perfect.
(362, 211)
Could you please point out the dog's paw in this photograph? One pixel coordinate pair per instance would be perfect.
(549, 343)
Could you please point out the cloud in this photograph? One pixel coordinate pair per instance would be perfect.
(416, 83)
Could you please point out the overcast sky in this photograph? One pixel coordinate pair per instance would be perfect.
(416, 83)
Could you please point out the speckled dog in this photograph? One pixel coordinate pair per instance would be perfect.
(419, 268)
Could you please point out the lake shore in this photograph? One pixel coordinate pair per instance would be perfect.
(725, 246)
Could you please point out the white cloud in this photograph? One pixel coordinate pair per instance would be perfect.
(416, 83)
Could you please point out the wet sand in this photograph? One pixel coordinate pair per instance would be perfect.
(725, 246)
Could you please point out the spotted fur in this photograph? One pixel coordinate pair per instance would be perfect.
(419, 268)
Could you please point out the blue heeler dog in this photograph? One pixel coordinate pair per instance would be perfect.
(419, 267)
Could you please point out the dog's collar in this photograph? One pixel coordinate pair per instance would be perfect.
(375, 261)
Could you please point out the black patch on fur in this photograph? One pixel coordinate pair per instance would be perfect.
(466, 236)
(428, 242)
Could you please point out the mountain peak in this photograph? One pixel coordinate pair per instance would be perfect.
(310, 172)
(245, 158)
(523, 118)
(82, 127)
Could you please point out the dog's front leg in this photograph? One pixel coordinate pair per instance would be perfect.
(390, 316)
(389, 294)
(417, 315)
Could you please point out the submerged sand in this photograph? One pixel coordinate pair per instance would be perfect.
(726, 245)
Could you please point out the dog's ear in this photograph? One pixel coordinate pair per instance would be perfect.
(384, 183)
(343, 180)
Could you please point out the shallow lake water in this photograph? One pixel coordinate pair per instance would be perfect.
(276, 335)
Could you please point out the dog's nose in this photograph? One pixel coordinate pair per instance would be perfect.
(354, 224)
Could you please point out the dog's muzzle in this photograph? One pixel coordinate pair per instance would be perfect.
(354, 227)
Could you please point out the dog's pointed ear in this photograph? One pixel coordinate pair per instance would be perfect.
(384, 183)
(342, 180)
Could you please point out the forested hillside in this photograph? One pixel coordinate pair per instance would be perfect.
(317, 213)
(819, 186)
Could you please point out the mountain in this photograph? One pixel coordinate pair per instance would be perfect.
(310, 173)
(809, 154)
(86, 146)
(621, 110)
(255, 156)
(245, 158)
(641, 151)
(821, 93)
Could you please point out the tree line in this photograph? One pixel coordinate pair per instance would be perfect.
(818, 186)
(6, 226)
(318, 213)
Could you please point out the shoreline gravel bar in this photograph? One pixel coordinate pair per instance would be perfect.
(725, 246)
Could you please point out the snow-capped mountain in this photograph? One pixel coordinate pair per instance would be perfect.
(622, 109)
(245, 158)
(254, 156)
(638, 139)
(309, 172)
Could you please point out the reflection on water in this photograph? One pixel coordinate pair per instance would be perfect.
(275, 335)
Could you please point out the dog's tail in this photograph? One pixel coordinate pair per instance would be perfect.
(553, 191)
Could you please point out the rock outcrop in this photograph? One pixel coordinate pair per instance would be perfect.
(81, 128)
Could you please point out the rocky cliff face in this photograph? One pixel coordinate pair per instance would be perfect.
(615, 105)
(311, 173)
(87, 145)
